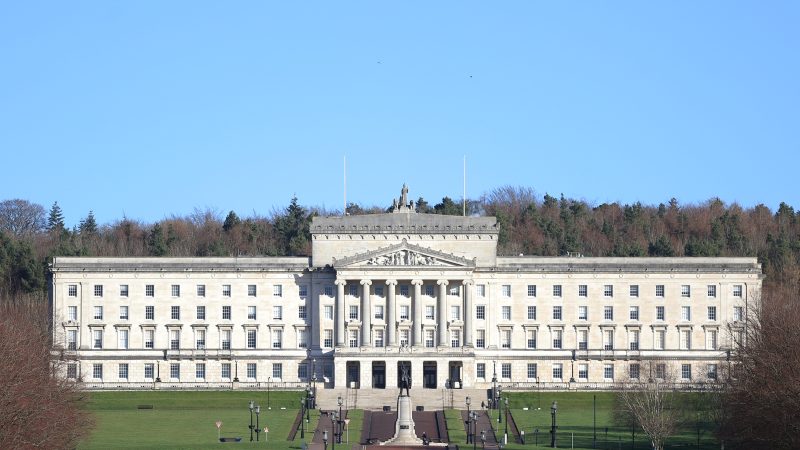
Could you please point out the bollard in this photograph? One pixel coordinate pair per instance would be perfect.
(522, 436)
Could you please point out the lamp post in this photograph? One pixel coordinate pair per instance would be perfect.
(339, 422)
(302, 422)
(553, 427)
(314, 382)
(258, 411)
(499, 406)
(269, 382)
(333, 420)
(469, 417)
(494, 384)
(325, 438)
(474, 429)
(505, 436)
(308, 405)
(252, 405)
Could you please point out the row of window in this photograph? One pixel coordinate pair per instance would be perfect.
(608, 290)
(123, 370)
(634, 372)
(175, 312)
(175, 290)
(123, 339)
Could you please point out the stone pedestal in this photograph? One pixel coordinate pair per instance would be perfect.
(404, 433)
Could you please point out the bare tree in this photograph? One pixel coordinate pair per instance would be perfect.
(654, 405)
(39, 407)
(21, 217)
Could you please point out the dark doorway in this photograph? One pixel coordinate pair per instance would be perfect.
(400, 365)
(353, 374)
(429, 374)
(379, 375)
(455, 375)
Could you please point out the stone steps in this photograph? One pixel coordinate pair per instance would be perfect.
(430, 399)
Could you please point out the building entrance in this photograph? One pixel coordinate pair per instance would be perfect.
(429, 374)
(455, 375)
(379, 375)
(353, 374)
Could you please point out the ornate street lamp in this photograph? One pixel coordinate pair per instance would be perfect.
(499, 406)
(302, 422)
(553, 411)
(505, 437)
(252, 405)
(494, 384)
(469, 416)
(339, 422)
(258, 429)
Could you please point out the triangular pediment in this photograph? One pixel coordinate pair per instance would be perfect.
(404, 255)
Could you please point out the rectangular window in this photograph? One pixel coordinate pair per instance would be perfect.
(429, 290)
(532, 371)
(712, 313)
(711, 340)
(277, 312)
(738, 313)
(583, 312)
(531, 290)
(505, 312)
(226, 312)
(404, 312)
(352, 290)
(686, 290)
(353, 338)
(686, 371)
(72, 313)
(505, 338)
(429, 338)
(328, 291)
(480, 312)
(481, 290)
(302, 371)
(149, 312)
(175, 340)
(251, 290)
(608, 339)
(225, 373)
(505, 370)
(455, 338)
(660, 339)
(453, 290)
(98, 313)
(301, 312)
(149, 371)
(531, 312)
(633, 335)
(583, 339)
(558, 341)
(328, 312)
(686, 340)
(558, 371)
(634, 290)
(175, 371)
(277, 290)
(686, 313)
(252, 373)
(176, 290)
(378, 312)
(226, 290)
(354, 312)
(200, 339)
(583, 290)
(302, 338)
(378, 291)
(660, 290)
(711, 371)
(506, 290)
(149, 338)
(455, 312)
(583, 371)
(531, 338)
(556, 313)
(97, 371)
(404, 290)
(660, 313)
(608, 312)
(201, 312)
(72, 290)
(634, 313)
(737, 290)
(97, 339)
(226, 339)
(201, 290)
(480, 371)
(251, 313)
(175, 313)
(480, 339)
(251, 339)
(123, 339)
(608, 290)
(557, 290)
(200, 371)
(712, 291)
(378, 338)
(634, 371)
(123, 313)
(429, 312)
(404, 333)
(661, 371)
(327, 341)
(123, 290)
(608, 372)
(72, 339)
(98, 290)
(277, 338)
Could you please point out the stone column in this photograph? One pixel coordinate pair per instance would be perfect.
(391, 325)
(468, 311)
(417, 305)
(441, 307)
(339, 317)
(366, 314)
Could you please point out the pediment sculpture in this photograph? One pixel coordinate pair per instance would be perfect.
(404, 258)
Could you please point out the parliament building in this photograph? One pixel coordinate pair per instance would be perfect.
(381, 291)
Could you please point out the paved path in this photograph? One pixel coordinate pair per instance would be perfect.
(485, 423)
(380, 426)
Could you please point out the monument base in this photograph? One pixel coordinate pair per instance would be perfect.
(404, 433)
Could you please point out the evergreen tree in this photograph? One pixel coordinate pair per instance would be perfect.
(661, 247)
(294, 228)
(55, 221)
(448, 207)
(231, 221)
(88, 225)
(156, 242)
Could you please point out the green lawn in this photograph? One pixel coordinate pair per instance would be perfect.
(186, 419)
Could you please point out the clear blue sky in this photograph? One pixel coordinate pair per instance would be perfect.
(153, 108)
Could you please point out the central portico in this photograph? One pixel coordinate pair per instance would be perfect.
(404, 291)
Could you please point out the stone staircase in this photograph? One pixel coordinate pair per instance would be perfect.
(372, 399)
